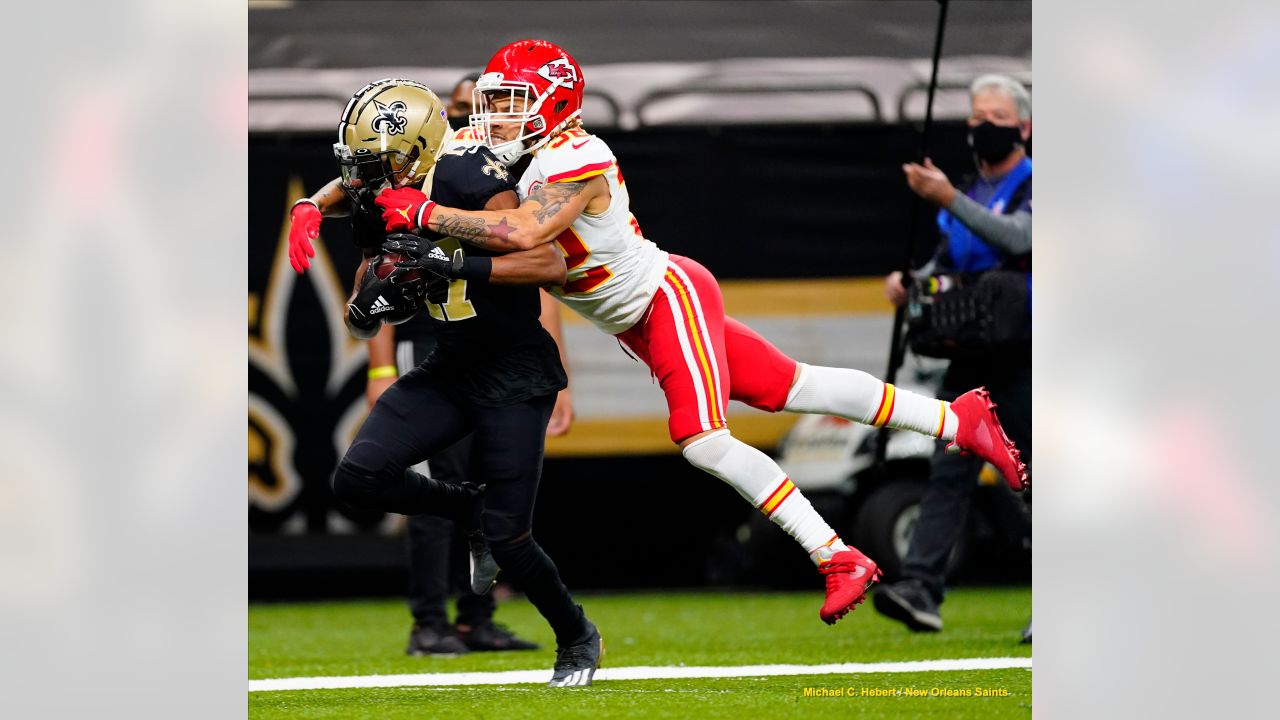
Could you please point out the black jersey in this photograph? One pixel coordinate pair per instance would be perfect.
(489, 343)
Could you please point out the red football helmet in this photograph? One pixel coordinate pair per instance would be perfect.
(543, 85)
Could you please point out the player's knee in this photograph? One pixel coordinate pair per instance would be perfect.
(709, 451)
(351, 486)
(357, 477)
(684, 423)
(502, 530)
(510, 542)
(748, 470)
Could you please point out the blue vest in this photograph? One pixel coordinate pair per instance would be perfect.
(968, 251)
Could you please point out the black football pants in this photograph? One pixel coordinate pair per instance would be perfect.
(415, 419)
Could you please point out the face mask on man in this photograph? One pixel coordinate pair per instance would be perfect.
(993, 143)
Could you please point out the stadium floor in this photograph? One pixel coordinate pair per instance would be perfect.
(667, 629)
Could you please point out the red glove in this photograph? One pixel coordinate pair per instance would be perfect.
(404, 209)
(304, 226)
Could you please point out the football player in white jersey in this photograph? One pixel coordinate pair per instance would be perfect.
(668, 309)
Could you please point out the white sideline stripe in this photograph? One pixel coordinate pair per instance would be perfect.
(542, 676)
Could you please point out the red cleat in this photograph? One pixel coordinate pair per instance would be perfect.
(980, 433)
(849, 575)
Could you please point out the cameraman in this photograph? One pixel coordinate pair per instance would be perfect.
(985, 226)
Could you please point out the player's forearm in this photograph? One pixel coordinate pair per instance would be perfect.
(542, 266)
(501, 231)
(331, 200)
(550, 319)
(382, 348)
(543, 215)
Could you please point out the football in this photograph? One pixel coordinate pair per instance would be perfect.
(385, 264)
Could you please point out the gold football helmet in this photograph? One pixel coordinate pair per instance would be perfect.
(389, 134)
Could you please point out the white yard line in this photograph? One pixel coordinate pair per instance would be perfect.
(541, 676)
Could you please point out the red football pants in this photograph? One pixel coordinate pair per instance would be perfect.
(701, 358)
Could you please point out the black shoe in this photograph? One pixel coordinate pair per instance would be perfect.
(909, 603)
(1026, 634)
(484, 570)
(576, 664)
(433, 640)
(492, 637)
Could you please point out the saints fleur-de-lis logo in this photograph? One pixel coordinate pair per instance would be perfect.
(496, 169)
(390, 118)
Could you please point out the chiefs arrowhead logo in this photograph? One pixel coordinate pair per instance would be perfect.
(560, 70)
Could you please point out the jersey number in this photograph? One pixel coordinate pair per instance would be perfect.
(575, 254)
(565, 137)
(456, 306)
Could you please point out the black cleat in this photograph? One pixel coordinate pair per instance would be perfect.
(908, 603)
(433, 640)
(1026, 633)
(492, 637)
(484, 570)
(576, 664)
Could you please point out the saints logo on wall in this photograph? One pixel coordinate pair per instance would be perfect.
(306, 380)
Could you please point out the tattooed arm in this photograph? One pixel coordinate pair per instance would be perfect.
(538, 220)
(542, 265)
(331, 201)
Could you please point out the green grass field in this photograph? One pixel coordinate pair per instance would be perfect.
(367, 638)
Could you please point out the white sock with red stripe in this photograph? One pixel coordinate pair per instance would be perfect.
(855, 395)
(759, 479)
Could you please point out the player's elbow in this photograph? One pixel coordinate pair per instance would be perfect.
(551, 270)
(529, 240)
(556, 274)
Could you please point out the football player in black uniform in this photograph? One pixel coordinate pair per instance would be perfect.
(494, 373)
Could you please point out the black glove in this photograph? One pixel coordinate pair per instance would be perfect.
(423, 254)
(438, 290)
(366, 220)
(393, 299)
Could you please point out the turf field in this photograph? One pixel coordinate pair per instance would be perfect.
(668, 629)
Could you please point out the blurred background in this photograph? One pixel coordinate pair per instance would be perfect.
(812, 105)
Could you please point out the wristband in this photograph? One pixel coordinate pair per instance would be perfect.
(476, 269)
(424, 213)
(308, 201)
(382, 371)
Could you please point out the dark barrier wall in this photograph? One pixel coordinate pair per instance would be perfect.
(390, 34)
(748, 202)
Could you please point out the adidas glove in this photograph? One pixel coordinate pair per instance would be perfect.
(423, 254)
(393, 299)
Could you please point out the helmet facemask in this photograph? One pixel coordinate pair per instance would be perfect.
(365, 170)
(492, 91)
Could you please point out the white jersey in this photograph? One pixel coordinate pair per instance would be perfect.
(613, 270)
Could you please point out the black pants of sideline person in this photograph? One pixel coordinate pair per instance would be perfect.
(417, 418)
(944, 508)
